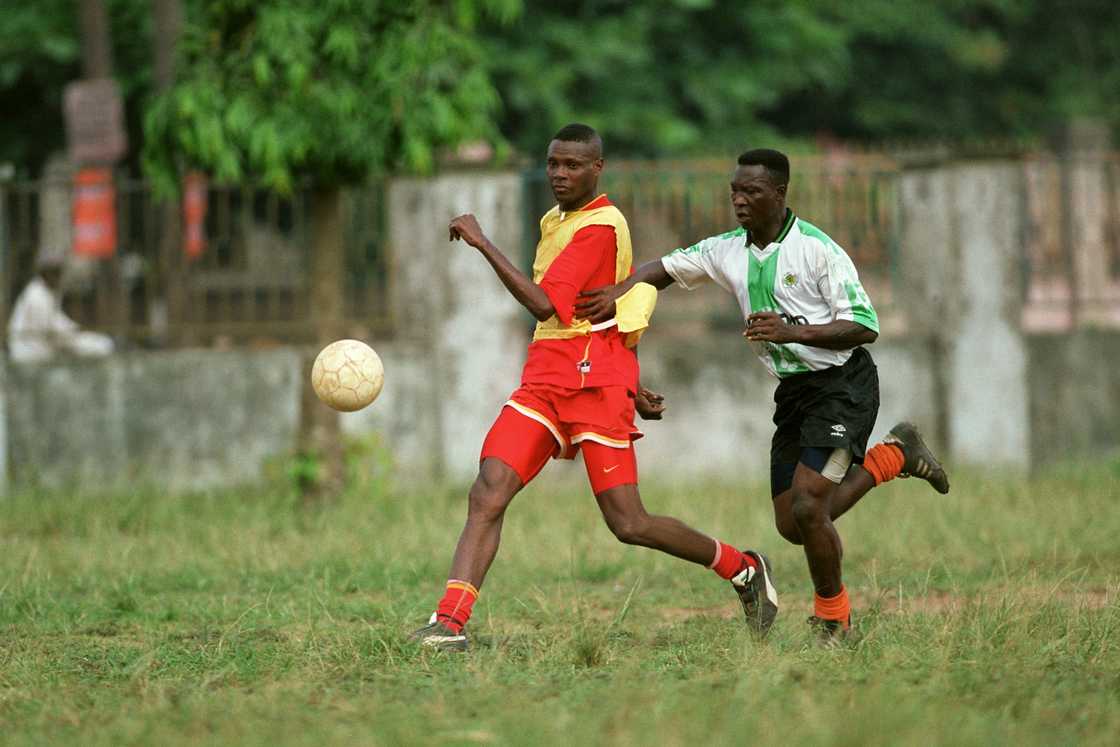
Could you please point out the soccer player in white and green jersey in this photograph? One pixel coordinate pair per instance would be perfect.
(807, 317)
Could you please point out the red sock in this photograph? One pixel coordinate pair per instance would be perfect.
(455, 608)
(833, 608)
(730, 562)
(883, 462)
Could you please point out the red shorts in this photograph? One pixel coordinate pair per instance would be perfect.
(541, 421)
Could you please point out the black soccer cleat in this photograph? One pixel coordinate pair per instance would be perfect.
(918, 460)
(757, 593)
(832, 633)
(440, 637)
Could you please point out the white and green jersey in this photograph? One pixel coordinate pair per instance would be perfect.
(803, 275)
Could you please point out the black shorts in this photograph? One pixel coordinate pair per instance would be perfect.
(829, 409)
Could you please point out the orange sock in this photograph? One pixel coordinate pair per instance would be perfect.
(455, 608)
(833, 608)
(883, 462)
(730, 562)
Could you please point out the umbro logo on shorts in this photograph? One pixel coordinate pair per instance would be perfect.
(838, 430)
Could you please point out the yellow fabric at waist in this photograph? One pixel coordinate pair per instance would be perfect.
(633, 310)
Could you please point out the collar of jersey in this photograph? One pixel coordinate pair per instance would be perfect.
(598, 202)
(786, 228)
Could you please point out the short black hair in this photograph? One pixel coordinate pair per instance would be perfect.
(576, 133)
(580, 133)
(774, 161)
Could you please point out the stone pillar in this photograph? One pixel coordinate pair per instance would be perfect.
(928, 262)
(56, 225)
(960, 263)
(467, 333)
(3, 426)
(989, 418)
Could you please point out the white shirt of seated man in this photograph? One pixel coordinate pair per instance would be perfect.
(39, 330)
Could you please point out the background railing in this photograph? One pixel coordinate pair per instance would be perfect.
(1071, 241)
(247, 285)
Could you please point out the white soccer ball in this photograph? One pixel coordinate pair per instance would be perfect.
(347, 375)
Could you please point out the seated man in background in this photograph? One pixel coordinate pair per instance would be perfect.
(39, 329)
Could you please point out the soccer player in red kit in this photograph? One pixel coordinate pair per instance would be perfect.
(579, 392)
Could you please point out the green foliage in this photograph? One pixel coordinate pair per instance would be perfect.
(340, 88)
(368, 463)
(687, 75)
(989, 617)
(330, 91)
(704, 77)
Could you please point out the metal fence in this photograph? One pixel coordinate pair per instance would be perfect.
(1071, 241)
(244, 279)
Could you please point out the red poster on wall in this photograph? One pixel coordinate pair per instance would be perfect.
(194, 215)
(94, 213)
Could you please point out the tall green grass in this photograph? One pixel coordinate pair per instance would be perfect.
(989, 616)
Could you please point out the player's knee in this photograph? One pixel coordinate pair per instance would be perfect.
(630, 529)
(487, 502)
(808, 510)
(787, 527)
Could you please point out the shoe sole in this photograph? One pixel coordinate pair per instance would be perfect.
(457, 643)
(767, 603)
(907, 433)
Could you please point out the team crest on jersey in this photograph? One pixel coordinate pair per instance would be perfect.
(790, 280)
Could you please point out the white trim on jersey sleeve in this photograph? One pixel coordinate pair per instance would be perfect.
(691, 267)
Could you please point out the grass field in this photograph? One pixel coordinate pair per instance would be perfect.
(991, 616)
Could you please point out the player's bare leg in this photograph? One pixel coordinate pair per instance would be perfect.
(490, 495)
(748, 571)
(913, 458)
(809, 499)
(629, 521)
(857, 483)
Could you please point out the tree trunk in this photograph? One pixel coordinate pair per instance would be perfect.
(320, 432)
(167, 24)
(97, 51)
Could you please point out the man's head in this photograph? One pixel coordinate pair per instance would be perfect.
(575, 160)
(49, 266)
(758, 188)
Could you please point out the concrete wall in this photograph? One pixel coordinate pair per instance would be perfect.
(1074, 395)
(179, 420)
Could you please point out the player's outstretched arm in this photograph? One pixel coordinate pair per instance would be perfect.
(527, 293)
(842, 334)
(597, 304)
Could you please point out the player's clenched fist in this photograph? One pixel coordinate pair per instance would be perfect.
(466, 227)
(650, 405)
(767, 326)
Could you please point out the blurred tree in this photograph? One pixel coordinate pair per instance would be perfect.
(703, 76)
(287, 93)
(668, 77)
(284, 91)
(40, 53)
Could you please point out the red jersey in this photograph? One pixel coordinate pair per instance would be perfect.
(595, 360)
